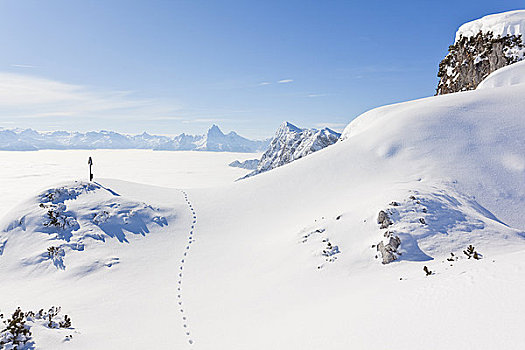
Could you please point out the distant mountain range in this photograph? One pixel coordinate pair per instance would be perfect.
(214, 140)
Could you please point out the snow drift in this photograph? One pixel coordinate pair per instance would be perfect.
(506, 76)
(502, 24)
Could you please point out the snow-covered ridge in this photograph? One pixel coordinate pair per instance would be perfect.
(291, 143)
(72, 218)
(215, 140)
(500, 24)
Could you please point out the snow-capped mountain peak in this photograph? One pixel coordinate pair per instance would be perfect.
(291, 143)
(214, 140)
(214, 131)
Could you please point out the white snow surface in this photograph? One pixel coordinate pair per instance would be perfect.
(23, 174)
(247, 265)
(502, 24)
(513, 74)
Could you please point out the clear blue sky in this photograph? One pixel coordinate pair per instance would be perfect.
(179, 66)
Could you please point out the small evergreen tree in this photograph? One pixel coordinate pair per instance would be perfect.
(16, 331)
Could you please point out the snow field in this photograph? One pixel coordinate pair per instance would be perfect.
(180, 284)
(264, 276)
(23, 174)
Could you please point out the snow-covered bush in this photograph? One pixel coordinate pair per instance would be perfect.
(54, 252)
(56, 217)
(76, 216)
(61, 194)
(16, 334)
(471, 252)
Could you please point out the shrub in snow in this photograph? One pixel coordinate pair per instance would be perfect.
(66, 323)
(472, 253)
(61, 194)
(54, 252)
(452, 257)
(100, 218)
(330, 251)
(55, 216)
(79, 216)
(16, 334)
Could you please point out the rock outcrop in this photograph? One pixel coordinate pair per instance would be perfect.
(481, 47)
(250, 164)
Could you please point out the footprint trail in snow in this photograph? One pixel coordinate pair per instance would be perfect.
(181, 270)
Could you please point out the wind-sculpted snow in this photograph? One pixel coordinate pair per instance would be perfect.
(72, 218)
(291, 143)
(214, 140)
(500, 24)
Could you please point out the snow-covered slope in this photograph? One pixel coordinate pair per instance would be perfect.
(291, 143)
(455, 161)
(502, 24)
(292, 258)
(506, 76)
(214, 140)
(90, 254)
(287, 259)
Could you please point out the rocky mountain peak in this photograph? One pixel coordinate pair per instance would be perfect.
(215, 131)
(291, 143)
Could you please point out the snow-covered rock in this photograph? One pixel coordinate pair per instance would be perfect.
(500, 24)
(291, 143)
(214, 140)
(482, 47)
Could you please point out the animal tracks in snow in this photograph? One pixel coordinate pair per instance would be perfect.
(180, 298)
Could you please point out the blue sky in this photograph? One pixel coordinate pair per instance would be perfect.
(168, 67)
